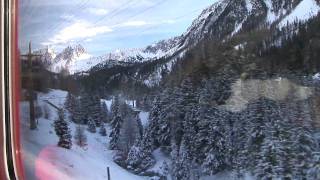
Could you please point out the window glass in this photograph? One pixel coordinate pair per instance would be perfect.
(182, 90)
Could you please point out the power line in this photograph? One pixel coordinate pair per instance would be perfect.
(174, 19)
(126, 5)
(115, 12)
(79, 6)
(153, 27)
(143, 11)
(134, 15)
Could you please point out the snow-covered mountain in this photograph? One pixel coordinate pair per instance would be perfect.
(227, 18)
(220, 21)
(64, 60)
(68, 57)
(76, 59)
(152, 52)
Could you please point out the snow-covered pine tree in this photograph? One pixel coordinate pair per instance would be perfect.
(140, 155)
(91, 126)
(129, 132)
(86, 106)
(216, 142)
(78, 115)
(184, 99)
(182, 165)
(238, 142)
(203, 120)
(303, 148)
(103, 131)
(256, 118)
(139, 125)
(70, 102)
(267, 163)
(272, 149)
(116, 123)
(104, 113)
(283, 131)
(164, 170)
(314, 170)
(95, 111)
(161, 116)
(80, 136)
(115, 106)
(304, 143)
(62, 130)
(190, 130)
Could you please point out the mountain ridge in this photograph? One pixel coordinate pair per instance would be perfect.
(218, 22)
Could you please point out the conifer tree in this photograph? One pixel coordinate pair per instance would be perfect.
(115, 106)
(314, 170)
(115, 132)
(86, 106)
(78, 115)
(70, 103)
(139, 125)
(116, 124)
(183, 168)
(91, 126)
(104, 113)
(103, 131)
(80, 136)
(140, 155)
(95, 111)
(62, 130)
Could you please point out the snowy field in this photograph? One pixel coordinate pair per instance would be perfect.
(44, 160)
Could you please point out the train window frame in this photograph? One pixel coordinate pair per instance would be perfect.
(10, 129)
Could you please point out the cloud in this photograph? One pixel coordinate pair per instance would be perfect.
(97, 11)
(77, 31)
(133, 24)
(144, 23)
(169, 21)
(68, 17)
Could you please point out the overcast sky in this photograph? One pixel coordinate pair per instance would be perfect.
(102, 26)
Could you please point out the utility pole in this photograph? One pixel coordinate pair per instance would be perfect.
(31, 93)
(108, 170)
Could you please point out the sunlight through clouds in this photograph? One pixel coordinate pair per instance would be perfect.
(78, 30)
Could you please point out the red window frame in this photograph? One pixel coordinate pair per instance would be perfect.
(11, 166)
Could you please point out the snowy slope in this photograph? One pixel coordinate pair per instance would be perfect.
(305, 10)
(316, 76)
(44, 160)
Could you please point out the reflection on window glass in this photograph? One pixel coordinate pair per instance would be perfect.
(181, 90)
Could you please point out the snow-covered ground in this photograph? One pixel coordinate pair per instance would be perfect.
(44, 160)
(160, 158)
